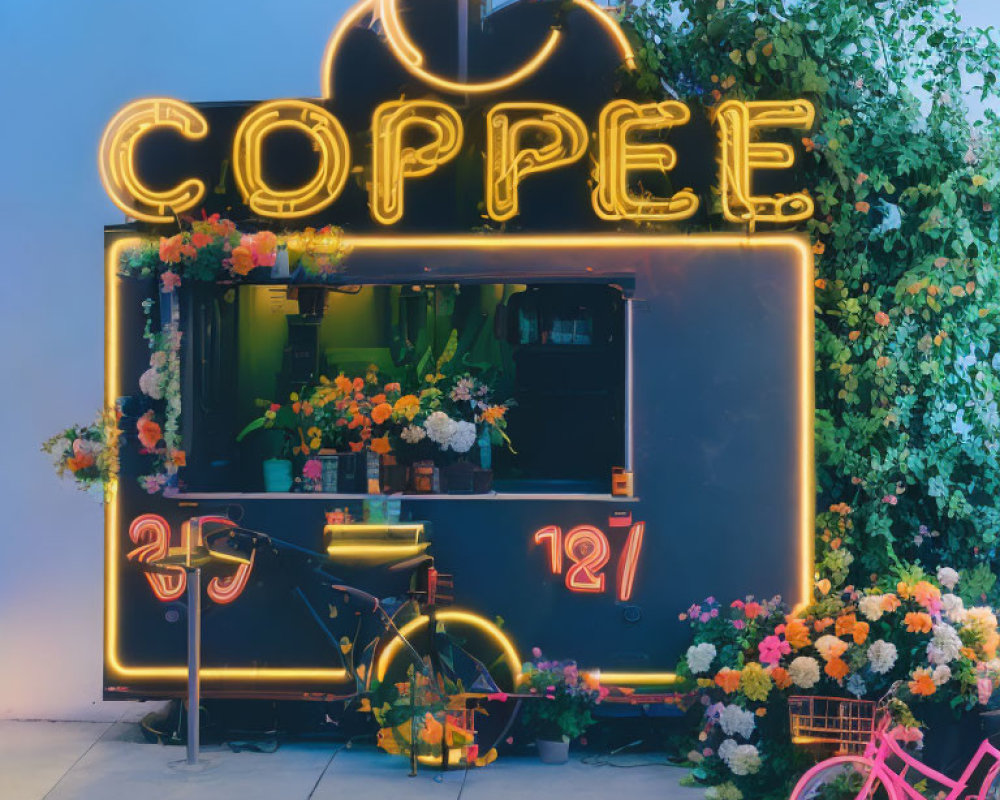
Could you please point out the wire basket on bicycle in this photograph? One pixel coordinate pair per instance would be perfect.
(842, 721)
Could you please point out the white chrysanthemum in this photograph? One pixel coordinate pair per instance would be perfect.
(871, 607)
(150, 384)
(440, 428)
(700, 657)
(941, 675)
(947, 577)
(944, 646)
(882, 656)
(737, 721)
(463, 437)
(412, 434)
(953, 607)
(804, 672)
(742, 759)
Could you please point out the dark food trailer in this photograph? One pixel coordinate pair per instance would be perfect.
(662, 410)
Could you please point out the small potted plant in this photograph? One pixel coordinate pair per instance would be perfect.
(563, 710)
(300, 437)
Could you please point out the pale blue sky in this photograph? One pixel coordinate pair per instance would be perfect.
(65, 67)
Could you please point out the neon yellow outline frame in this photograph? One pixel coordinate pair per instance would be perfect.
(389, 243)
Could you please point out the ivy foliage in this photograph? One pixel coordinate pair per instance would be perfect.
(906, 236)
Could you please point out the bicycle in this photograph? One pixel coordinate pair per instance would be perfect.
(882, 769)
(419, 656)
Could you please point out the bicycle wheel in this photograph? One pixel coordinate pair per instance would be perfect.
(472, 658)
(843, 778)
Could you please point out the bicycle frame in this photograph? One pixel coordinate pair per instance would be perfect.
(883, 746)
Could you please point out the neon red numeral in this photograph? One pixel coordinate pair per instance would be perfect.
(152, 533)
(589, 551)
(553, 535)
(628, 561)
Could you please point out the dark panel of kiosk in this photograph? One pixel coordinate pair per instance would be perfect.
(716, 446)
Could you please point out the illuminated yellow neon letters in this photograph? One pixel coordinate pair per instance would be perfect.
(393, 161)
(116, 158)
(329, 139)
(740, 155)
(558, 138)
(618, 156)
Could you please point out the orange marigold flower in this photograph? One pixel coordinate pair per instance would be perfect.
(728, 679)
(862, 206)
(407, 406)
(882, 362)
(853, 335)
(969, 653)
(860, 632)
(199, 239)
(922, 682)
(343, 384)
(392, 387)
(378, 399)
(494, 414)
(836, 668)
(241, 260)
(823, 586)
(820, 283)
(796, 633)
(882, 318)
(752, 610)
(179, 457)
(356, 447)
(862, 177)
(819, 248)
(380, 445)
(148, 430)
(381, 413)
(845, 625)
(890, 602)
(822, 624)
(808, 144)
(173, 249)
(918, 622)
(928, 595)
(781, 677)
(81, 461)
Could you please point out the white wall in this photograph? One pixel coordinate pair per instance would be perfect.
(65, 67)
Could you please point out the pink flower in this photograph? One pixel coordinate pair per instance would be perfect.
(536, 652)
(170, 280)
(907, 735)
(312, 469)
(772, 649)
(739, 624)
(891, 499)
(705, 617)
(984, 687)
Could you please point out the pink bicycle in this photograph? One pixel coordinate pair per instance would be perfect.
(882, 770)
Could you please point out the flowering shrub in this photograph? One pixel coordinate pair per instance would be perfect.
(569, 698)
(746, 660)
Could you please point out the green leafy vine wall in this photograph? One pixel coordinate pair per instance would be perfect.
(907, 241)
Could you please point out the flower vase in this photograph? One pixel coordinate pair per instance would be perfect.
(277, 475)
(485, 443)
(553, 752)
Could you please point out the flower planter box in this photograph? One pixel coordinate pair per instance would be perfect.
(394, 477)
(457, 478)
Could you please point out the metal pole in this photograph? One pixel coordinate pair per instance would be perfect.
(194, 665)
(463, 40)
(629, 388)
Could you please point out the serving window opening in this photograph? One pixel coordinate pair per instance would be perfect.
(554, 356)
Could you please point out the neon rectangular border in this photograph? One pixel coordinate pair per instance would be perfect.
(388, 244)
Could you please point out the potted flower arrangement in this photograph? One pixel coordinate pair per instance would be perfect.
(300, 436)
(563, 710)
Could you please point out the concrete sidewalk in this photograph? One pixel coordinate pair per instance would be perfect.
(111, 761)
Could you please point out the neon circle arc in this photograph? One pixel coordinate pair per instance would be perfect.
(412, 59)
